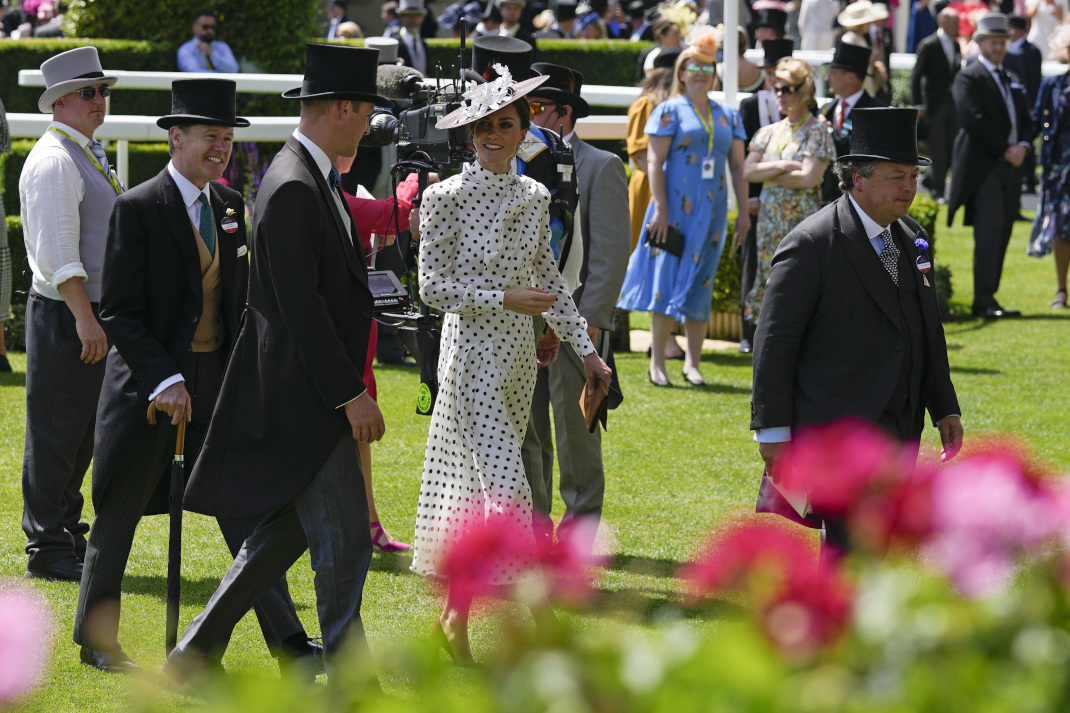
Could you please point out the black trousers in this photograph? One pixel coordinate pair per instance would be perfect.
(61, 411)
(995, 208)
(943, 125)
(96, 622)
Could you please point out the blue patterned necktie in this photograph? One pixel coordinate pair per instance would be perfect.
(333, 179)
(98, 152)
(207, 225)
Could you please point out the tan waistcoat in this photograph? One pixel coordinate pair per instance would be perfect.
(210, 327)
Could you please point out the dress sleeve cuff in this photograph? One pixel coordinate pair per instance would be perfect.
(67, 272)
(164, 384)
(780, 434)
(490, 299)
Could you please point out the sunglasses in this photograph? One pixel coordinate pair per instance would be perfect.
(87, 93)
(786, 88)
(538, 107)
(697, 68)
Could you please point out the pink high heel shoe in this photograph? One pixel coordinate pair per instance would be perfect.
(383, 542)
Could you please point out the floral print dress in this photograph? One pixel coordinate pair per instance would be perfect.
(784, 208)
(682, 287)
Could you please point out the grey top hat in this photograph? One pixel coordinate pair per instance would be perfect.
(387, 46)
(991, 25)
(70, 71)
(411, 6)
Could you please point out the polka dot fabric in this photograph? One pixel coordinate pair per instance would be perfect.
(482, 234)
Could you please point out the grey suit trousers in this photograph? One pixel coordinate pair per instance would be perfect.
(96, 622)
(61, 412)
(330, 518)
(579, 452)
(995, 208)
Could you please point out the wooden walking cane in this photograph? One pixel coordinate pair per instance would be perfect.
(174, 543)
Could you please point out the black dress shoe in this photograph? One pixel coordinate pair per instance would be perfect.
(64, 569)
(186, 669)
(305, 655)
(996, 313)
(114, 661)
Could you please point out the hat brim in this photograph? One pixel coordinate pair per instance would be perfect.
(908, 160)
(166, 122)
(44, 104)
(352, 96)
(473, 76)
(460, 117)
(580, 107)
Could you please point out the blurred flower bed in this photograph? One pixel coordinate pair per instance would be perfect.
(954, 598)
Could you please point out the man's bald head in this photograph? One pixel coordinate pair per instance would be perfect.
(948, 21)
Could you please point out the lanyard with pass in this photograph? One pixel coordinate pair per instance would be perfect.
(708, 167)
(110, 175)
(780, 134)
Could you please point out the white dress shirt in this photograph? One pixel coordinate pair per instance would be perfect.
(851, 101)
(190, 198)
(51, 190)
(416, 50)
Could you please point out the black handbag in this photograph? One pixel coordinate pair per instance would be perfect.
(674, 241)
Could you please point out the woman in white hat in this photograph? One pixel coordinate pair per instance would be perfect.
(858, 20)
(485, 261)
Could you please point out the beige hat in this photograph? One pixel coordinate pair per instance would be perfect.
(70, 71)
(862, 12)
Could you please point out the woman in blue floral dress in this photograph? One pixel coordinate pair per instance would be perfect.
(690, 139)
(1051, 227)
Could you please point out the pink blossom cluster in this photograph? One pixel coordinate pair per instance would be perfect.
(802, 603)
(26, 626)
(497, 549)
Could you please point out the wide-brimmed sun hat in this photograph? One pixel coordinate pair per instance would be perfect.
(862, 12)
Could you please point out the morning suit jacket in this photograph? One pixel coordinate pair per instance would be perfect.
(606, 232)
(299, 354)
(829, 341)
(930, 82)
(151, 301)
(403, 48)
(1025, 62)
(1046, 116)
(984, 128)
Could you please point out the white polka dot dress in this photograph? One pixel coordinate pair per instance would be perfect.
(483, 233)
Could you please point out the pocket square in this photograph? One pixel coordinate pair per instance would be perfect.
(242, 250)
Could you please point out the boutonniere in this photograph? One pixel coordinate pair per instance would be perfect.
(230, 211)
(921, 244)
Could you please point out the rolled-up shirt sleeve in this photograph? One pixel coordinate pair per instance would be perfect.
(52, 193)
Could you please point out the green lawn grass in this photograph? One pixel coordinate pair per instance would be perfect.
(677, 461)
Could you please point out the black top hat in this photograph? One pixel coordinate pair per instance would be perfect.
(1017, 22)
(495, 49)
(776, 19)
(202, 101)
(667, 58)
(776, 50)
(886, 134)
(566, 10)
(563, 85)
(636, 9)
(492, 13)
(853, 58)
(339, 72)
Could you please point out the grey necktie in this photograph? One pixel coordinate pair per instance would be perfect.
(890, 256)
(98, 152)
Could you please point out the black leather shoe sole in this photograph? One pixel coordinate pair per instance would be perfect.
(62, 571)
(108, 661)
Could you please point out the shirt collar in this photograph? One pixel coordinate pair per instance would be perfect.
(872, 228)
(322, 162)
(79, 138)
(1018, 43)
(190, 193)
(569, 137)
(992, 69)
(853, 99)
(944, 37)
(410, 36)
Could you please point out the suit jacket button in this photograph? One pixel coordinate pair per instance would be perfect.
(195, 320)
(899, 346)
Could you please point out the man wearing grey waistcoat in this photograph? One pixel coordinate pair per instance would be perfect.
(603, 227)
(67, 191)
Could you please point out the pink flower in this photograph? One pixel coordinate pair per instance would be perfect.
(26, 626)
(802, 603)
(840, 463)
(988, 510)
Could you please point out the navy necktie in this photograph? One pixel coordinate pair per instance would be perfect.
(333, 179)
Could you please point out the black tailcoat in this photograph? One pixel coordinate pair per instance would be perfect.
(299, 354)
(930, 81)
(151, 300)
(984, 127)
(829, 341)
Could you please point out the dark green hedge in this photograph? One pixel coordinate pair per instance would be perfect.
(146, 160)
(269, 33)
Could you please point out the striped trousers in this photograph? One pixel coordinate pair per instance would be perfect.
(129, 492)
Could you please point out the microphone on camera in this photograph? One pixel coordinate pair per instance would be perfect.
(397, 82)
